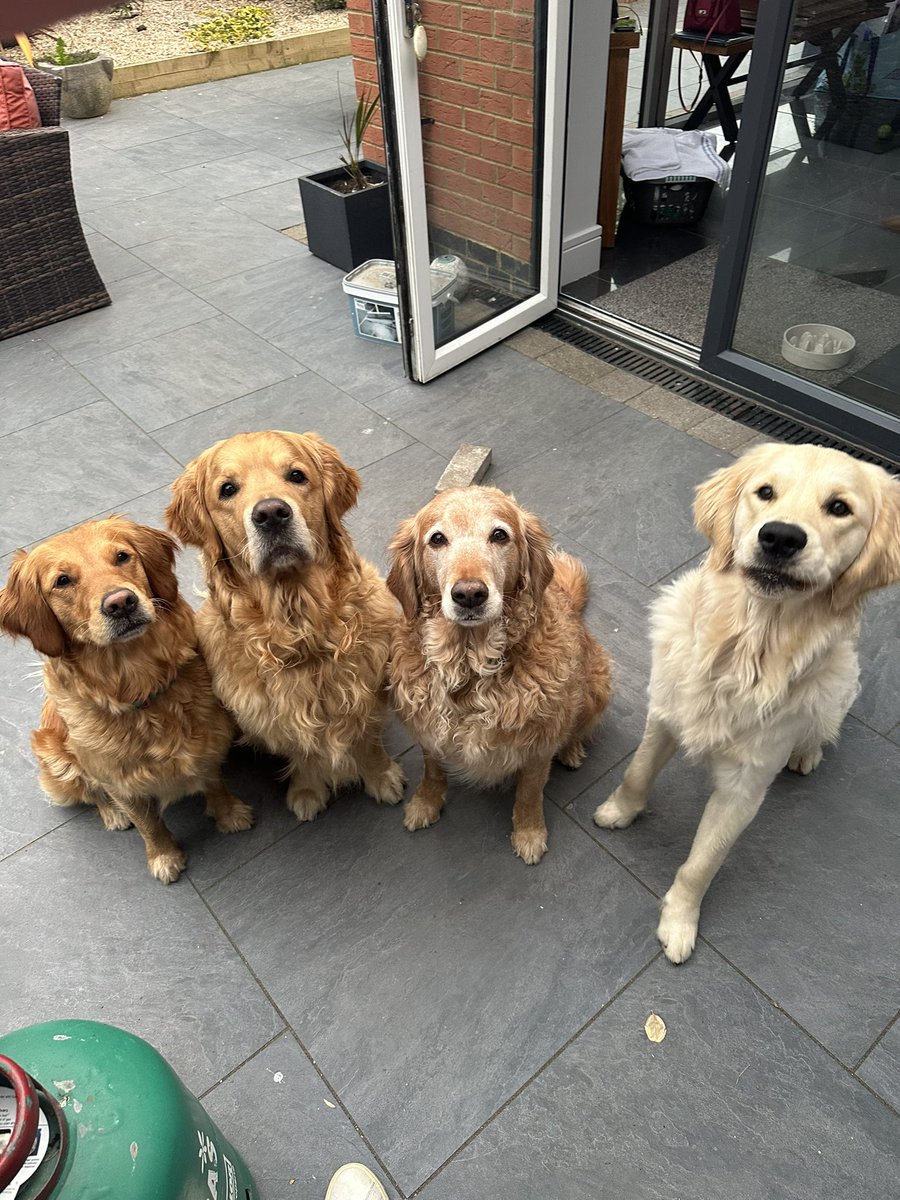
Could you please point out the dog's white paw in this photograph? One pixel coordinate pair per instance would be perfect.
(677, 930)
(387, 787)
(237, 818)
(530, 845)
(167, 867)
(805, 760)
(615, 813)
(419, 814)
(306, 805)
(113, 817)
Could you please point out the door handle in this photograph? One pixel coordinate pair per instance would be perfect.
(416, 30)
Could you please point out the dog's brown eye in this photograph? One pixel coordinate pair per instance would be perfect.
(499, 535)
(437, 539)
(122, 557)
(838, 508)
(296, 476)
(227, 490)
(765, 492)
(63, 581)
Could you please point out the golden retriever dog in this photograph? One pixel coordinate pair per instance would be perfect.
(754, 651)
(492, 669)
(129, 723)
(296, 626)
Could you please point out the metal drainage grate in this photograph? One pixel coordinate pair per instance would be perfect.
(764, 422)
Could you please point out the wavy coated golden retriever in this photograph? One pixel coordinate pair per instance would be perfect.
(754, 652)
(492, 669)
(296, 626)
(129, 723)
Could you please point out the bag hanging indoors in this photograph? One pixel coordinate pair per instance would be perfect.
(715, 18)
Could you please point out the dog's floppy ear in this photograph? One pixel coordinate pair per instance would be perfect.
(156, 550)
(403, 578)
(341, 485)
(537, 563)
(878, 563)
(715, 505)
(25, 613)
(187, 515)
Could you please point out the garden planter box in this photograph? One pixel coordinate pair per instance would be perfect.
(347, 228)
(86, 87)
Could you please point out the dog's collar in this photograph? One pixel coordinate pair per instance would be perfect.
(146, 701)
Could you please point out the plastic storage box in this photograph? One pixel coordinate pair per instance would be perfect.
(371, 291)
(674, 200)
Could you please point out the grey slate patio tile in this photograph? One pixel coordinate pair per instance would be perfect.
(490, 401)
(881, 1070)
(277, 205)
(205, 102)
(21, 695)
(111, 260)
(123, 947)
(228, 244)
(25, 813)
(103, 176)
(36, 384)
(273, 1109)
(433, 973)
(127, 125)
(143, 306)
(632, 500)
(735, 1102)
(878, 703)
(90, 460)
(287, 132)
(148, 220)
(174, 376)
(362, 367)
(188, 149)
(302, 404)
(805, 903)
(242, 172)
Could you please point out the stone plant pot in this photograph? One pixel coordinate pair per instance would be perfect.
(86, 87)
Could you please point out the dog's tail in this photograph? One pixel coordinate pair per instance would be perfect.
(571, 575)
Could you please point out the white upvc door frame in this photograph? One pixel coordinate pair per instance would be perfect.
(427, 360)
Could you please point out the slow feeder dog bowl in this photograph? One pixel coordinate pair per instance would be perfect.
(817, 347)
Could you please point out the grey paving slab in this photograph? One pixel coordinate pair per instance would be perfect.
(36, 384)
(241, 172)
(174, 376)
(228, 244)
(101, 175)
(806, 902)
(623, 488)
(305, 403)
(25, 813)
(148, 220)
(277, 205)
(490, 401)
(111, 260)
(281, 1116)
(878, 703)
(123, 947)
(287, 132)
(283, 301)
(143, 306)
(430, 975)
(881, 1070)
(127, 125)
(89, 460)
(21, 695)
(187, 149)
(322, 160)
(735, 1102)
(201, 103)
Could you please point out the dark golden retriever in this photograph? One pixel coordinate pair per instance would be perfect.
(130, 723)
(296, 626)
(492, 669)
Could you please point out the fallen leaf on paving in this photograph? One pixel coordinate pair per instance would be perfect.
(328, 1102)
(655, 1028)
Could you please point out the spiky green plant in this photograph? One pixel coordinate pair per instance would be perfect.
(353, 131)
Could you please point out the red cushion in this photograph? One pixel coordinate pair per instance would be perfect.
(18, 107)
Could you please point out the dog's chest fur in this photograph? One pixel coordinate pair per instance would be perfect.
(732, 673)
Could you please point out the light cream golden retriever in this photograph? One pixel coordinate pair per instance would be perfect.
(130, 723)
(296, 626)
(754, 652)
(492, 670)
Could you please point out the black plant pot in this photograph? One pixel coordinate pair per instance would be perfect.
(347, 228)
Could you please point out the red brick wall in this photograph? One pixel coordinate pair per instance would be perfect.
(476, 83)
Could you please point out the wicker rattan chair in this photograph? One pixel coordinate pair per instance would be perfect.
(46, 270)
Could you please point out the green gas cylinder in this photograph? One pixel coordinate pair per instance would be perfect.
(119, 1122)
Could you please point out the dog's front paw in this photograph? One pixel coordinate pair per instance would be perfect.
(615, 813)
(530, 844)
(168, 866)
(572, 755)
(236, 818)
(305, 804)
(677, 929)
(419, 813)
(387, 787)
(804, 759)
(113, 817)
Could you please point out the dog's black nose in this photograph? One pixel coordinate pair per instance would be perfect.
(780, 540)
(469, 593)
(270, 514)
(118, 604)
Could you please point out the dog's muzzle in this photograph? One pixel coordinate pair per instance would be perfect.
(278, 539)
(124, 618)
